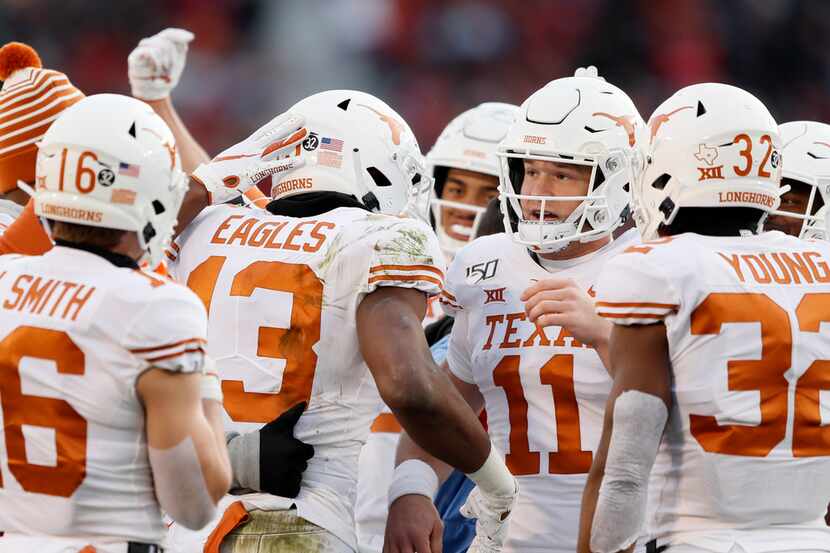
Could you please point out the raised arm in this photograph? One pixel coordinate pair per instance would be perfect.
(154, 68)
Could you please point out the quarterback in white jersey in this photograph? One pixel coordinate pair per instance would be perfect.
(542, 387)
(95, 353)
(718, 351)
(291, 292)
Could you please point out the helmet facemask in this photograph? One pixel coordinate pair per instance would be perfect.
(450, 242)
(801, 211)
(601, 209)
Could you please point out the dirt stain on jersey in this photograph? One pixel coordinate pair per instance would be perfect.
(408, 244)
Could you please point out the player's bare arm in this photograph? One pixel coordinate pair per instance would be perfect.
(429, 407)
(186, 442)
(413, 522)
(640, 364)
(154, 68)
(560, 302)
(419, 393)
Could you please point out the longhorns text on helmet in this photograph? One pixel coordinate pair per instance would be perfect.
(109, 161)
(711, 145)
(357, 145)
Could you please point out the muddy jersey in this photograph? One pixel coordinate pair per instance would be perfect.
(544, 391)
(747, 446)
(282, 295)
(76, 332)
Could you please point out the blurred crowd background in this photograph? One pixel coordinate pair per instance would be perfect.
(431, 59)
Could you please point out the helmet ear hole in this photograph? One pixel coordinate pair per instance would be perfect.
(660, 182)
(378, 176)
(158, 207)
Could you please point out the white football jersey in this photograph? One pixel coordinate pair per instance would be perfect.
(75, 334)
(544, 392)
(747, 446)
(282, 295)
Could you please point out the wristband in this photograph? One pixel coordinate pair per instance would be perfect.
(494, 478)
(413, 477)
(210, 387)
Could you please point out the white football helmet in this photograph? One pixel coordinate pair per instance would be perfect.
(581, 121)
(806, 153)
(109, 161)
(468, 142)
(358, 145)
(710, 145)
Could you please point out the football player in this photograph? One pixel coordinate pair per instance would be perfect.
(303, 296)
(155, 66)
(465, 168)
(464, 165)
(566, 166)
(108, 411)
(806, 170)
(714, 438)
(30, 99)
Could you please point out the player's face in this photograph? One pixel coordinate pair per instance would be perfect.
(794, 201)
(466, 187)
(549, 178)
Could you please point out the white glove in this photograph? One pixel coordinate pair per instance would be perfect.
(156, 64)
(493, 514)
(265, 153)
(590, 72)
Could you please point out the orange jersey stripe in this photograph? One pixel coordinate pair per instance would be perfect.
(168, 346)
(406, 278)
(379, 268)
(172, 355)
(450, 296)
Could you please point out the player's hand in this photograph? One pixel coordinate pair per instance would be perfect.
(493, 518)
(413, 525)
(265, 153)
(561, 302)
(271, 459)
(156, 64)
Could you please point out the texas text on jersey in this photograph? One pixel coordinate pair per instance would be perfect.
(544, 391)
